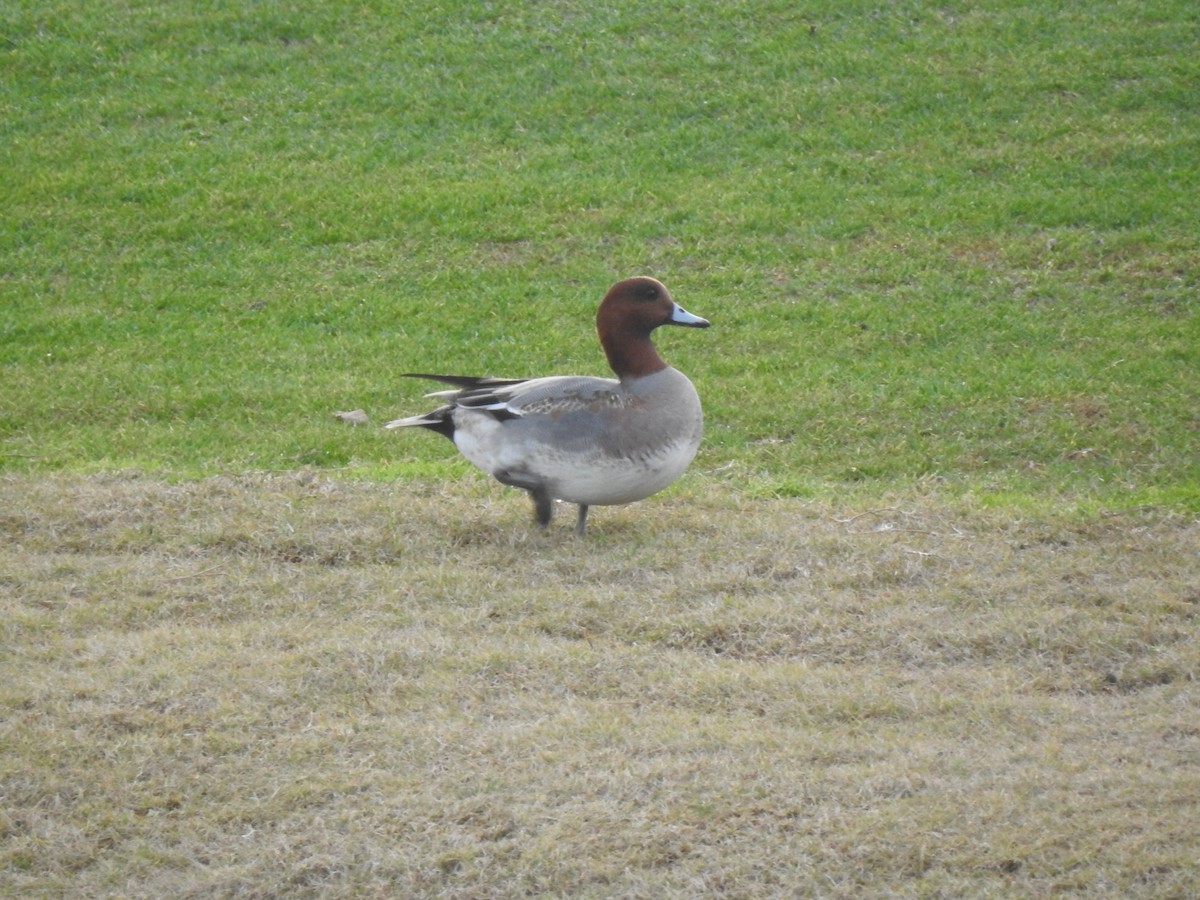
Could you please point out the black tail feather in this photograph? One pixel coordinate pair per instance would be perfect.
(466, 382)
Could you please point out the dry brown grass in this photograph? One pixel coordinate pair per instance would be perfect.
(293, 686)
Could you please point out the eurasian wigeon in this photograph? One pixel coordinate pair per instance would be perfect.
(587, 440)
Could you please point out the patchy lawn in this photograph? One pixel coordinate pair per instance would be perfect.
(264, 686)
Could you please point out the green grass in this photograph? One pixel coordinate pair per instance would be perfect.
(920, 620)
(938, 243)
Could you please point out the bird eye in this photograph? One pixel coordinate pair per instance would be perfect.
(648, 292)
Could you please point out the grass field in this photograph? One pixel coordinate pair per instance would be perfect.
(296, 686)
(957, 245)
(919, 621)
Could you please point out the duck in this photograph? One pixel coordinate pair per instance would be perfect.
(582, 439)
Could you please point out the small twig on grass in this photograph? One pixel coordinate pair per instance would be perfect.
(872, 512)
(1111, 513)
(886, 527)
(199, 574)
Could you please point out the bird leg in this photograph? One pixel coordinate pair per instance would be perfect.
(543, 506)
